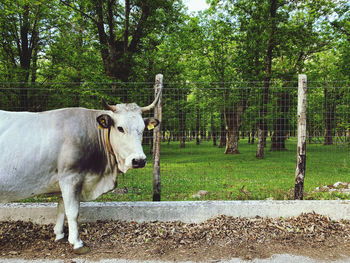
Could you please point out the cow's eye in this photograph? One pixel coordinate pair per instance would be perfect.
(120, 129)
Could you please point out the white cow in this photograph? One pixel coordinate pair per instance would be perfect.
(73, 152)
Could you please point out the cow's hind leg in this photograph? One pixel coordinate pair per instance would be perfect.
(58, 229)
(71, 190)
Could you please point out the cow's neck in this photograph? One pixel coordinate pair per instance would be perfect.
(106, 148)
(108, 142)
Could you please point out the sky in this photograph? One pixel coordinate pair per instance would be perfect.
(196, 5)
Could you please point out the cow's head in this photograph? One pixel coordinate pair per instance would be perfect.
(124, 127)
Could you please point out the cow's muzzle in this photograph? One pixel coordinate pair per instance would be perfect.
(138, 163)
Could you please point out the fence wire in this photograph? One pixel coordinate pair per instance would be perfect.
(203, 121)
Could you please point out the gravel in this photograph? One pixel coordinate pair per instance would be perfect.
(220, 238)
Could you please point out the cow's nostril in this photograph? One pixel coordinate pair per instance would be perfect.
(138, 163)
(143, 162)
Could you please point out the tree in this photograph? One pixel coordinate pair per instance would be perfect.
(273, 6)
(342, 32)
(325, 68)
(215, 46)
(304, 33)
(20, 25)
(122, 29)
(274, 39)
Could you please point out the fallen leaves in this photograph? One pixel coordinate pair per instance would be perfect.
(217, 238)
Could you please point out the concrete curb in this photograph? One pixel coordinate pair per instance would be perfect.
(186, 211)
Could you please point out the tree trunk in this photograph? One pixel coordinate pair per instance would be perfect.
(232, 138)
(163, 136)
(280, 125)
(182, 121)
(233, 124)
(213, 131)
(25, 58)
(198, 119)
(262, 129)
(329, 116)
(222, 131)
(34, 64)
(193, 133)
(328, 137)
(182, 137)
(253, 137)
(278, 138)
(262, 126)
(169, 138)
(203, 134)
(260, 147)
(117, 55)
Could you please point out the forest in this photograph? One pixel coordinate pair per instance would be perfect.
(230, 71)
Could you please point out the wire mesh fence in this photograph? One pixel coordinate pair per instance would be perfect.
(203, 121)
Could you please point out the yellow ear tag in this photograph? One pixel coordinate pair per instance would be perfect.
(150, 126)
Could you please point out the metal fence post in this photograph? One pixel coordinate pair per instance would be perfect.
(301, 148)
(156, 139)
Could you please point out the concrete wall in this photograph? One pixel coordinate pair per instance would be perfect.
(189, 212)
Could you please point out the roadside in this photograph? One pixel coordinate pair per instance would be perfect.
(284, 258)
(221, 238)
(221, 231)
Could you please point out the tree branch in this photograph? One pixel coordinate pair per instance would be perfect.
(127, 22)
(11, 56)
(340, 28)
(103, 38)
(34, 35)
(139, 30)
(78, 10)
(110, 21)
(16, 36)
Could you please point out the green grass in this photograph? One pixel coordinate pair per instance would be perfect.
(235, 177)
(186, 171)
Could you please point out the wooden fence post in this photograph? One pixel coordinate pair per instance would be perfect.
(156, 139)
(301, 148)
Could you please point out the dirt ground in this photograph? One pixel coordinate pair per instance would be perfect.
(222, 237)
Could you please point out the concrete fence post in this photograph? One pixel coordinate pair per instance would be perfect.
(156, 139)
(301, 147)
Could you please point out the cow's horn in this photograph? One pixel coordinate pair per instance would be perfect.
(153, 104)
(107, 106)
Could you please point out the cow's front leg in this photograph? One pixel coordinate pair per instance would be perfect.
(71, 190)
(58, 230)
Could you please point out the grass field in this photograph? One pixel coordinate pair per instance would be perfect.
(233, 177)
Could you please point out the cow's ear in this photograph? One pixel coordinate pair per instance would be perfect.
(105, 121)
(151, 123)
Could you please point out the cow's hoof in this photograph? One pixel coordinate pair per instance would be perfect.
(61, 240)
(59, 236)
(82, 250)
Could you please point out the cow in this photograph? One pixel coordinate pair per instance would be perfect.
(75, 153)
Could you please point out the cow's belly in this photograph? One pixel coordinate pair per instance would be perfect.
(26, 173)
(20, 187)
